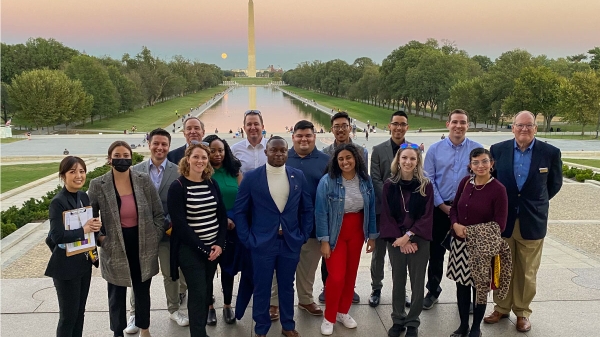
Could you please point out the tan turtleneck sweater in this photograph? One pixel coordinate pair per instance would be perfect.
(279, 186)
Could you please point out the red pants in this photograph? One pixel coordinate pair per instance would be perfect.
(342, 266)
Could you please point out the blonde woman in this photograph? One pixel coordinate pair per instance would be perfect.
(406, 223)
(199, 230)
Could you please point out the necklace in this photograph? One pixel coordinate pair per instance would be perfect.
(403, 202)
(482, 187)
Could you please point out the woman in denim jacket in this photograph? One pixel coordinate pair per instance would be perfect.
(345, 219)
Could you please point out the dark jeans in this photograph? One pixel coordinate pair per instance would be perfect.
(72, 296)
(199, 274)
(226, 287)
(435, 270)
(463, 299)
(117, 295)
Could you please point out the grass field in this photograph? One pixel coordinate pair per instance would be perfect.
(159, 115)
(256, 80)
(587, 162)
(554, 135)
(14, 176)
(10, 140)
(364, 112)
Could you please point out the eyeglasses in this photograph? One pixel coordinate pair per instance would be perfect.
(524, 126)
(340, 127)
(252, 112)
(409, 146)
(396, 124)
(483, 162)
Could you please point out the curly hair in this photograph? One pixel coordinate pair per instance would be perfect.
(230, 163)
(184, 166)
(360, 167)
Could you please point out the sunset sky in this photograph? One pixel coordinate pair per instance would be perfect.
(289, 32)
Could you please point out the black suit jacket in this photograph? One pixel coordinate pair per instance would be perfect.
(174, 156)
(544, 180)
(61, 266)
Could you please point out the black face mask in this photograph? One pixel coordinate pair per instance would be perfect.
(121, 164)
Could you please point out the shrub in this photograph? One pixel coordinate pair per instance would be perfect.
(35, 210)
(7, 228)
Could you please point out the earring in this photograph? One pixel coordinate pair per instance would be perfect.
(470, 171)
(491, 169)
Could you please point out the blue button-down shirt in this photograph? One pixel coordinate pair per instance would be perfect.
(446, 165)
(156, 173)
(521, 164)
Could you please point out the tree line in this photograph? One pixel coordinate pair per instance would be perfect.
(46, 83)
(432, 78)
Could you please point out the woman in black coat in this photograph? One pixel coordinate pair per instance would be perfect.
(71, 274)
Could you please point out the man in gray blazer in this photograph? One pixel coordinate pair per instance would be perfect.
(162, 173)
(381, 161)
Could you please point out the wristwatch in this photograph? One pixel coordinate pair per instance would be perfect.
(411, 235)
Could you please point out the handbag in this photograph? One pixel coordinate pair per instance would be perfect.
(495, 282)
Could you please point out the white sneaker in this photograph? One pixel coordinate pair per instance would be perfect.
(180, 318)
(347, 320)
(131, 328)
(326, 327)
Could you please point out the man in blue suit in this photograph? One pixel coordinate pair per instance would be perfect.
(531, 171)
(274, 218)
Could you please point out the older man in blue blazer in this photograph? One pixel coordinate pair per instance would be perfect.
(531, 171)
(274, 218)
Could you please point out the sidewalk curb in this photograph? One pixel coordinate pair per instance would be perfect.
(20, 234)
(20, 189)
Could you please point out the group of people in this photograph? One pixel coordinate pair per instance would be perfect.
(272, 212)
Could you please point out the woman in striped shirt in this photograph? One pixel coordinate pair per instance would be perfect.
(199, 229)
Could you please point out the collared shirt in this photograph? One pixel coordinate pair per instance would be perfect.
(521, 163)
(250, 156)
(156, 173)
(312, 165)
(446, 165)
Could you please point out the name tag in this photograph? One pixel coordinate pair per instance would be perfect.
(543, 170)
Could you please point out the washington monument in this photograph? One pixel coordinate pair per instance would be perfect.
(251, 50)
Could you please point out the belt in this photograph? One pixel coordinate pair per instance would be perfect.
(449, 202)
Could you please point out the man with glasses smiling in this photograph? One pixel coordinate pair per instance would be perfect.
(340, 127)
(445, 165)
(381, 161)
(531, 171)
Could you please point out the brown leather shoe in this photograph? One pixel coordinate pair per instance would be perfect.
(523, 324)
(290, 333)
(312, 309)
(274, 312)
(495, 317)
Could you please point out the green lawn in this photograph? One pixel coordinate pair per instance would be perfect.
(364, 112)
(159, 115)
(14, 176)
(554, 135)
(10, 140)
(587, 162)
(256, 80)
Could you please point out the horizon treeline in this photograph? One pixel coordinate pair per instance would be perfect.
(429, 78)
(45, 83)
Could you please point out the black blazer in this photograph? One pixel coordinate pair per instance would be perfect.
(543, 182)
(60, 266)
(174, 156)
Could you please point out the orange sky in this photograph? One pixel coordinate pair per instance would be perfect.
(288, 32)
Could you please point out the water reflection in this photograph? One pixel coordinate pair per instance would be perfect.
(278, 110)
